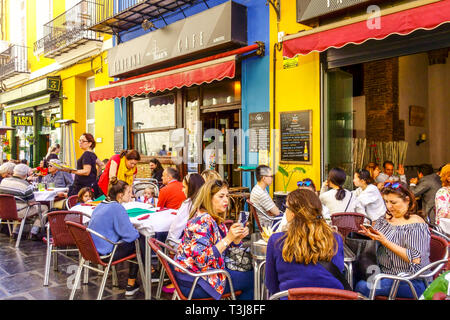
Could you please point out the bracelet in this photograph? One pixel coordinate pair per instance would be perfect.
(225, 242)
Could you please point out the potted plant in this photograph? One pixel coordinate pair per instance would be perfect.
(280, 196)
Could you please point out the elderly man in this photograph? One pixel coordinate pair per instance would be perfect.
(171, 195)
(23, 191)
(61, 179)
(261, 199)
(388, 174)
(6, 170)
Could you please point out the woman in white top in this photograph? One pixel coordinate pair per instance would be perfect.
(337, 199)
(369, 199)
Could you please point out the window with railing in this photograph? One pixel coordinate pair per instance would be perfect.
(13, 60)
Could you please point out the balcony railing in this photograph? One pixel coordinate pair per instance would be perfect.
(13, 61)
(113, 16)
(68, 30)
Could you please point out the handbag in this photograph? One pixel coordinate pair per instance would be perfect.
(331, 267)
(365, 250)
(238, 259)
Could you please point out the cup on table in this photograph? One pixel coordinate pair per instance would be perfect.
(51, 185)
(41, 187)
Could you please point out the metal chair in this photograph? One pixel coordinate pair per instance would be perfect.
(83, 239)
(439, 256)
(317, 294)
(162, 275)
(347, 222)
(165, 260)
(253, 211)
(9, 212)
(61, 240)
(71, 201)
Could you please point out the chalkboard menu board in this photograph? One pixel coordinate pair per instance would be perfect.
(259, 133)
(295, 136)
(118, 139)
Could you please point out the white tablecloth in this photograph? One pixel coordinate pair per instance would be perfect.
(157, 222)
(445, 225)
(47, 195)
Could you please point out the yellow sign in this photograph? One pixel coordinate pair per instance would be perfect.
(263, 157)
(54, 84)
(23, 121)
(290, 62)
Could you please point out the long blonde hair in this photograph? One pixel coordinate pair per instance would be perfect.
(203, 199)
(309, 238)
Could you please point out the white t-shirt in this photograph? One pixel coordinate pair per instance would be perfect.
(180, 222)
(370, 202)
(329, 200)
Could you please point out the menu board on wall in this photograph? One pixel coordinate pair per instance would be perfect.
(118, 139)
(295, 136)
(259, 136)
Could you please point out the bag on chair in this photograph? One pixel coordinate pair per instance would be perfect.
(365, 250)
(238, 259)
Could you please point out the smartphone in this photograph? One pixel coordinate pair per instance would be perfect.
(243, 217)
(369, 226)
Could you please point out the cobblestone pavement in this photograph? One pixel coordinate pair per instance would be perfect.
(22, 275)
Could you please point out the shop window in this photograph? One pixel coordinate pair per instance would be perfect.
(222, 93)
(152, 119)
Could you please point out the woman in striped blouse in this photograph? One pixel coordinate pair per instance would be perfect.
(405, 241)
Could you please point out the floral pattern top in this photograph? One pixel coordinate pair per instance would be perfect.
(442, 203)
(197, 251)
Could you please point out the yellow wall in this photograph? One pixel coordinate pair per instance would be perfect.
(297, 88)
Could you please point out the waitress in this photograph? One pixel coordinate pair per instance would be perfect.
(86, 173)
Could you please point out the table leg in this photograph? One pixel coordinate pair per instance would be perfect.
(256, 279)
(148, 269)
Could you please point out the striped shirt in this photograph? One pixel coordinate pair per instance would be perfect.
(262, 203)
(17, 187)
(414, 237)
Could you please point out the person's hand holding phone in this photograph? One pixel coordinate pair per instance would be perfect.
(369, 231)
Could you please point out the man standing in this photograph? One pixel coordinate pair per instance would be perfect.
(265, 207)
(171, 195)
(426, 186)
(20, 188)
(388, 174)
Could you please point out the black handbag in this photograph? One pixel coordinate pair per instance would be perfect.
(238, 259)
(365, 250)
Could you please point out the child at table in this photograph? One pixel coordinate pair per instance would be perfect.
(85, 195)
(148, 196)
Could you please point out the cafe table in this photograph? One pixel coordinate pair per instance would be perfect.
(48, 195)
(148, 221)
(258, 251)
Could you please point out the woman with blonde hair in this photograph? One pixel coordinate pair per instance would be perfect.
(297, 257)
(204, 243)
(209, 174)
(442, 198)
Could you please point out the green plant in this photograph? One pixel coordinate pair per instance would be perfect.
(287, 175)
(30, 139)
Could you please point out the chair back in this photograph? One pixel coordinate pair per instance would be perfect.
(321, 294)
(254, 214)
(84, 242)
(438, 248)
(156, 247)
(72, 200)
(8, 207)
(347, 222)
(60, 233)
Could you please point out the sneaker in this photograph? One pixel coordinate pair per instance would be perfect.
(35, 237)
(131, 290)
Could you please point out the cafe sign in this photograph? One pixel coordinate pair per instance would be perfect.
(310, 9)
(22, 121)
(222, 26)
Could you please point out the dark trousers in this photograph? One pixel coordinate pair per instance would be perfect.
(127, 248)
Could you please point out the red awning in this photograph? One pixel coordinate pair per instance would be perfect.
(204, 70)
(426, 17)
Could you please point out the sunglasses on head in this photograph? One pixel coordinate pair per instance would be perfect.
(304, 183)
(392, 185)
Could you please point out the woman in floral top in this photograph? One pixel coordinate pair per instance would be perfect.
(204, 243)
(442, 198)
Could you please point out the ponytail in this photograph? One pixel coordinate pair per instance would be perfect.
(115, 187)
(340, 194)
(337, 176)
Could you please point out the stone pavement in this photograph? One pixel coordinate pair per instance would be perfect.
(22, 275)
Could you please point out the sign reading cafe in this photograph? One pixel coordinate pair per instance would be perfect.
(222, 26)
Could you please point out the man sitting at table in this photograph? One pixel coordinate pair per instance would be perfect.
(20, 188)
(61, 179)
(261, 199)
(171, 195)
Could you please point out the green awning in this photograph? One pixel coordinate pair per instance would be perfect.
(28, 103)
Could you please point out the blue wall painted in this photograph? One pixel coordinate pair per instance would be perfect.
(255, 86)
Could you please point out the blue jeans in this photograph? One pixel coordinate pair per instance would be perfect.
(385, 287)
(241, 281)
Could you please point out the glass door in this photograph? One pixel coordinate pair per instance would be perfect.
(338, 120)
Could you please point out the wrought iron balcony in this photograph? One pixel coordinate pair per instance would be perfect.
(114, 16)
(68, 31)
(13, 61)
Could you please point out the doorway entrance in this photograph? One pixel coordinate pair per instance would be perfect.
(221, 144)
